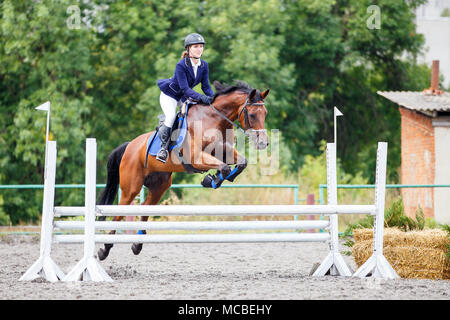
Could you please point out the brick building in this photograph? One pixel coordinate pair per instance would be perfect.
(425, 148)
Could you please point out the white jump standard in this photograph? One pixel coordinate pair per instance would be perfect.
(89, 267)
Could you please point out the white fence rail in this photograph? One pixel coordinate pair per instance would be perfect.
(218, 210)
(196, 225)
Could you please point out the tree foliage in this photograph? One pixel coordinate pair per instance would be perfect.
(100, 76)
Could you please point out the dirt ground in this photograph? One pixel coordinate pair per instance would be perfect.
(268, 271)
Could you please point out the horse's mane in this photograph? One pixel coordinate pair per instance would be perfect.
(222, 89)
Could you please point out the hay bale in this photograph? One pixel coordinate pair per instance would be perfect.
(413, 254)
(362, 234)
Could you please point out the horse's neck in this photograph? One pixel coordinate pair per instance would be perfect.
(229, 107)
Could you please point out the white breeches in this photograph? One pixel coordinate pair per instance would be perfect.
(169, 107)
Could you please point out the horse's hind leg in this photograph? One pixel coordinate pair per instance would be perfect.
(157, 184)
(102, 253)
(125, 199)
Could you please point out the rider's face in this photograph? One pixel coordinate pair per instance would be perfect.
(196, 50)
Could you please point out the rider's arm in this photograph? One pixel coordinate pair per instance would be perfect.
(206, 87)
(183, 84)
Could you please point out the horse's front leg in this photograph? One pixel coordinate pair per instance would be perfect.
(227, 174)
(204, 161)
(211, 162)
(238, 159)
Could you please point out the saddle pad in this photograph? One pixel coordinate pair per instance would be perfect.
(154, 141)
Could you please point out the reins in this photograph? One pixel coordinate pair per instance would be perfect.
(246, 120)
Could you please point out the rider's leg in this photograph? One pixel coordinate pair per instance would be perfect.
(169, 107)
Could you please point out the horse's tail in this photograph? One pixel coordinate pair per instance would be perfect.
(112, 180)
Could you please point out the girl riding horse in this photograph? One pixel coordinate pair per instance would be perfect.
(126, 164)
(189, 72)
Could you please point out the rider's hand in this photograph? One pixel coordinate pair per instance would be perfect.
(206, 99)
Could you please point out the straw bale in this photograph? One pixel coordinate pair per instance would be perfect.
(414, 254)
(362, 234)
(428, 238)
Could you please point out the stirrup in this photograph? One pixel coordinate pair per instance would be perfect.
(162, 155)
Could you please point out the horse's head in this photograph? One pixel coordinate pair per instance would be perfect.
(252, 116)
(247, 105)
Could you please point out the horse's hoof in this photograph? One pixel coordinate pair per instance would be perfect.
(136, 247)
(207, 181)
(225, 170)
(102, 254)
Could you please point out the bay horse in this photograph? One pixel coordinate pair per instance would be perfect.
(129, 166)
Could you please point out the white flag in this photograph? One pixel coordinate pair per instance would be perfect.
(337, 112)
(44, 106)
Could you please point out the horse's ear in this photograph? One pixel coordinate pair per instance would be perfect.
(265, 93)
(252, 95)
(218, 85)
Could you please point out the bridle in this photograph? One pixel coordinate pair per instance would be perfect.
(246, 120)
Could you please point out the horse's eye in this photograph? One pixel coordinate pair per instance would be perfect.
(252, 116)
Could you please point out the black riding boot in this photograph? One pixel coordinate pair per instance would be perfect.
(164, 134)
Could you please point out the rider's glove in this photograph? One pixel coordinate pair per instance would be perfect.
(206, 99)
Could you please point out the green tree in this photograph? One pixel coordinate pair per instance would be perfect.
(98, 65)
(42, 59)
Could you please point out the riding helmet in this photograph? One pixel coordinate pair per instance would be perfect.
(193, 38)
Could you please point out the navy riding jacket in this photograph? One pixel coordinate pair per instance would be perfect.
(180, 85)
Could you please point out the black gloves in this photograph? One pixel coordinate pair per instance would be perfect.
(206, 99)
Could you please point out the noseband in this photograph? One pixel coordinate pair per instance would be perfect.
(246, 120)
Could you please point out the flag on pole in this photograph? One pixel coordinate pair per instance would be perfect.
(337, 113)
(44, 106)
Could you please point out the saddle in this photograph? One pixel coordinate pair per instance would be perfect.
(180, 129)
